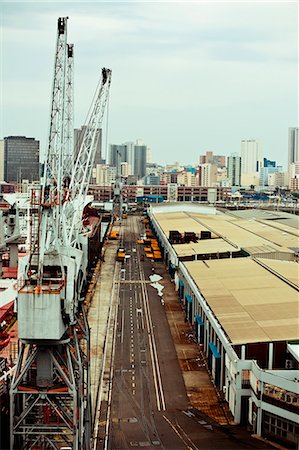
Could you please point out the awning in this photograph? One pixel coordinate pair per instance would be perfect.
(198, 319)
(214, 350)
(188, 298)
(181, 283)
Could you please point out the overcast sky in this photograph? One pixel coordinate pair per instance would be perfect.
(187, 77)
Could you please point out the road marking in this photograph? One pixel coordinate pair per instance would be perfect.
(122, 325)
(186, 436)
(176, 432)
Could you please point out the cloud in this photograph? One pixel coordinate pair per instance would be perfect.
(180, 70)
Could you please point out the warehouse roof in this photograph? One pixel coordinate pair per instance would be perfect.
(250, 302)
(204, 247)
(254, 236)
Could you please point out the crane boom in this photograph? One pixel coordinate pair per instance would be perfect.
(82, 167)
(50, 390)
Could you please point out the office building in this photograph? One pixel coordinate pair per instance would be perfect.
(264, 174)
(269, 163)
(208, 175)
(278, 180)
(210, 158)
(1, 160)
(294, 176)
(78, 139)
(234, 169)
(134, 154)
(186, 178)
(251, 156)
(105, 175)
(21, 159)
(118, 155)
(152, 180)
(140, 160)
(293, 145)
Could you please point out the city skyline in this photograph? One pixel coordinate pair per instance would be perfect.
(186, 77)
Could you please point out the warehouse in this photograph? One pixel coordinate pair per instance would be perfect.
(239, 290)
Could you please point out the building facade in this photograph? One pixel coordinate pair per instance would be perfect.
(210, 158)
(252, 360)
(140, 152)
(234, 169)
(293, 144)
(208, 175)
(135, 154)
(251, 156)
(1, 160)
(21, 159)
(78, 138)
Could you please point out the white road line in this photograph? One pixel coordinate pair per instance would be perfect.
(155, 362)
(122, 325)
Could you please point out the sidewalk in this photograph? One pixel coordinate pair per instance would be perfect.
(98, 316)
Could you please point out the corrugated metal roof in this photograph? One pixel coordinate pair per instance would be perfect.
(251, 303)
(204, 246)
(277, 217)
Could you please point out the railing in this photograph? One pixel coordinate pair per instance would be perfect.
(281, 403)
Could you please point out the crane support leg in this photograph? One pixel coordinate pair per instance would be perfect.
(50, 393)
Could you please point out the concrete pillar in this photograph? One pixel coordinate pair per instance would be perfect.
(259, 422)
(207, 337)
(222, 366)
(238, 385)
(13, 255)
(243, 350)
(270, 355)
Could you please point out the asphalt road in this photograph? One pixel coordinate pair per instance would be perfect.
(144, 404)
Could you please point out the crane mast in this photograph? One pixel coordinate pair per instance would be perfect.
(50, 390)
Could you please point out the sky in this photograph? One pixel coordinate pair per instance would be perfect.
(187, 77)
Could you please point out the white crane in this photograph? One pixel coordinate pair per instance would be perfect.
(50, 392)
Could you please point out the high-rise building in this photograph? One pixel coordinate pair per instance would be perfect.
(293, 145)
(208, 175)
(234, 169)
(251, 156)
(294, 176)
(78, 137)
(278, 179)
(210, 158)
(269, 163)
(152, 180)
(21, 159)
(265, 172)
(118, 155)
(186, 178)
(133, 154)
(105, 175)
(1, 160)
(140, 160)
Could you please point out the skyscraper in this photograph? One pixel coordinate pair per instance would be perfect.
(251, 156)
(293, 145)
(140, 160)
(1, 160)
(78, 138)
(118, 155)
(21, 159)
(234, 169)
(134, 154)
